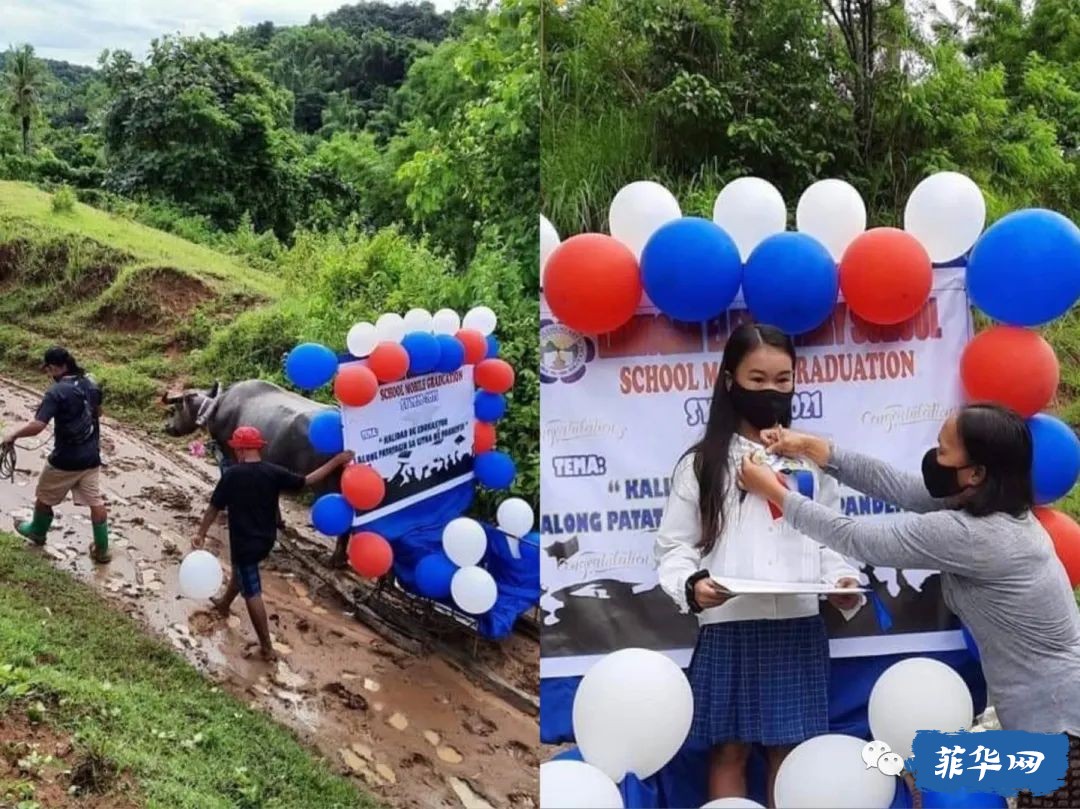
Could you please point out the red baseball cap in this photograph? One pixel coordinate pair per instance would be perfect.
(247, 438)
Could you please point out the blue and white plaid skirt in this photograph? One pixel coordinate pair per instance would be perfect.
(761, 681)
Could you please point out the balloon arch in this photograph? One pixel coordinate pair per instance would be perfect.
(1022, 272)
(388, 351)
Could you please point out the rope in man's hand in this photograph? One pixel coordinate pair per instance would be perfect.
(8, 457)
(7, 462)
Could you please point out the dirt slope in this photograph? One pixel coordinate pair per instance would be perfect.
(417, 731)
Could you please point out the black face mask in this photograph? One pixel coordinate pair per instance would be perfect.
(941, 481)
(762, 408)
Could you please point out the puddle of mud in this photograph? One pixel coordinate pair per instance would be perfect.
(349, 682)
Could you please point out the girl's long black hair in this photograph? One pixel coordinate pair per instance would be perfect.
(711, 453)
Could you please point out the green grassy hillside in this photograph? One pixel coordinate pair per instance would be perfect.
(127, 298)
(157, 733)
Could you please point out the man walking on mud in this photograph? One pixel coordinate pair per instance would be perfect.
(248, 490)
(73, 405)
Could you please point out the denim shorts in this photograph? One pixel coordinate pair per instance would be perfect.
(247, 576)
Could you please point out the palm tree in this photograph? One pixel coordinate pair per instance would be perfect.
(25, 81)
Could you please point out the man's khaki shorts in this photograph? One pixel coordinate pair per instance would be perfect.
(84, 484)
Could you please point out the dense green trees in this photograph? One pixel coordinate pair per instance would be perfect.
(695, 93)
(381, 158)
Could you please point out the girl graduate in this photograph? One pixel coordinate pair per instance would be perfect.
(759, 672)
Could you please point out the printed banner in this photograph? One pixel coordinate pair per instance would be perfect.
(417, 434)
(617, 412)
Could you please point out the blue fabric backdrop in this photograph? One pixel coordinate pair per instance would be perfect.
(416, 531)
(682, 783)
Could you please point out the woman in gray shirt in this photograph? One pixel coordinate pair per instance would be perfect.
(972, 521)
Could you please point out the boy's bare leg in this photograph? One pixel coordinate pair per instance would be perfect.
(223, 603)
(257, 611)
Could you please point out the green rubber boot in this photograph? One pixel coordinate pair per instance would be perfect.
(99, 551)
(36, 529)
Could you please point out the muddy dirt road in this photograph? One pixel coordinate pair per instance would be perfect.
(414, 729)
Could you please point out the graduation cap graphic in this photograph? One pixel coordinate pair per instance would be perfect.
(460, 439)
(563, 550)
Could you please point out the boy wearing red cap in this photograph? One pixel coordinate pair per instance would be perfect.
(249, 491)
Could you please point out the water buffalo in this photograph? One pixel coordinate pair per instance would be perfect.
(282, 417)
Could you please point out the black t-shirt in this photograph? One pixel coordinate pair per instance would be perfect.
(74, 406)
(250, 493)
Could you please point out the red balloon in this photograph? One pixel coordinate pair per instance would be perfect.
(355, 385)
(370, 555)
(886, 275)
(1065, 534)
(1010, 366)
(362, 486)
(389, 362)
(483, 437)
(494, 376)
(475, 345)
(592, 283)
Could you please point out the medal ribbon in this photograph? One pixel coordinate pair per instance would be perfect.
(798, 480)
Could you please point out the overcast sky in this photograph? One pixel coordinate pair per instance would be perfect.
(78, 30)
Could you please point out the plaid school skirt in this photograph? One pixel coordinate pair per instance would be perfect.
(764, 681)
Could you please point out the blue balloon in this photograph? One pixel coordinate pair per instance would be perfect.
(1055, 458)
(451, 354)
(489, 407)
(1025, 269)
(495, 469)
(691, 269)
(325, 432)
(310, 366)
(332, 515)
(493, 347)
(423, 351)
(433, 575)
(790, 281)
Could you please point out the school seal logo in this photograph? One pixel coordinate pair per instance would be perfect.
(564, 354)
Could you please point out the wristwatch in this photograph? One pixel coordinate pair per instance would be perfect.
(691, 601)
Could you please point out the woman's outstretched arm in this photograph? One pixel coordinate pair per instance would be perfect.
(860, 472)
(935, 541)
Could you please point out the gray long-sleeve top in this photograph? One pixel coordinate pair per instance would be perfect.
(999, 574)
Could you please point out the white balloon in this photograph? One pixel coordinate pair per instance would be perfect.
(418, 320)
(576, 785)
(446, 321)
(638, 211)
(918, 694)
(750, 209)
(482, 319)
(632, 713)
(946, 212)
(362, 339)
(200, 575)
(515, 517)
(464, 541)
(390, 328)
(733, 803)
(833, 213)
(827, 772)
(474, 590)
(549, 240)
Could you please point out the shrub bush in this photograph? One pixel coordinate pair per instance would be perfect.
(63, 200)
